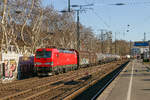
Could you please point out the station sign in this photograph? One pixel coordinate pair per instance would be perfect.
(141, 44)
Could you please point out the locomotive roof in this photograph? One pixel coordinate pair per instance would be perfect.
(40, 49)
(59, 50)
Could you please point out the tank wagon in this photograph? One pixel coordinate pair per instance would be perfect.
(106, 58)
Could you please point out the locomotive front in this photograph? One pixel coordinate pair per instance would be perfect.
(43, 61)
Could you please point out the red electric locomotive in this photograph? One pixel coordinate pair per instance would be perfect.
(53, 60)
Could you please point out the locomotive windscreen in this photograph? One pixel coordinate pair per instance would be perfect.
(43, 54)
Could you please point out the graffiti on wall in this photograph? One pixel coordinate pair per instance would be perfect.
(10, 68)
(84, 61)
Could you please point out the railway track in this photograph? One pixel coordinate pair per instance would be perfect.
(28, 84)
(65, 89)
(28, 81)
(18, 88)
(42, 89)
(92, 90)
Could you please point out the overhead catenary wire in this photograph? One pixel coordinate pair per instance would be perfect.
(135, 3)
(87, 1)
(130, 3)
(100, 18)
(123, 3)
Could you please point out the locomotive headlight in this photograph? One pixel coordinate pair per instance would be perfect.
(49, 63)
(38, 63)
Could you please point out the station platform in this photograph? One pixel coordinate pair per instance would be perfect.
(133, 83)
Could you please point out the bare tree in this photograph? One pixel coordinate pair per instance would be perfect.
(27, 25)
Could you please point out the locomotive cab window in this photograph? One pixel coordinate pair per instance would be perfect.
(43, 54)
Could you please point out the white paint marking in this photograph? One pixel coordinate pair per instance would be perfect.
(130, 85)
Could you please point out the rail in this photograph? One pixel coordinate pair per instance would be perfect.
(94, 94)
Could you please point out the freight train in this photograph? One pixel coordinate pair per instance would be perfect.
(49, 61)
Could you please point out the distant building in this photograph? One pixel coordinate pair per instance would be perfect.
(140, 49)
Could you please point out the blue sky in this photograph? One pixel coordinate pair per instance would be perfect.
(136, 14)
